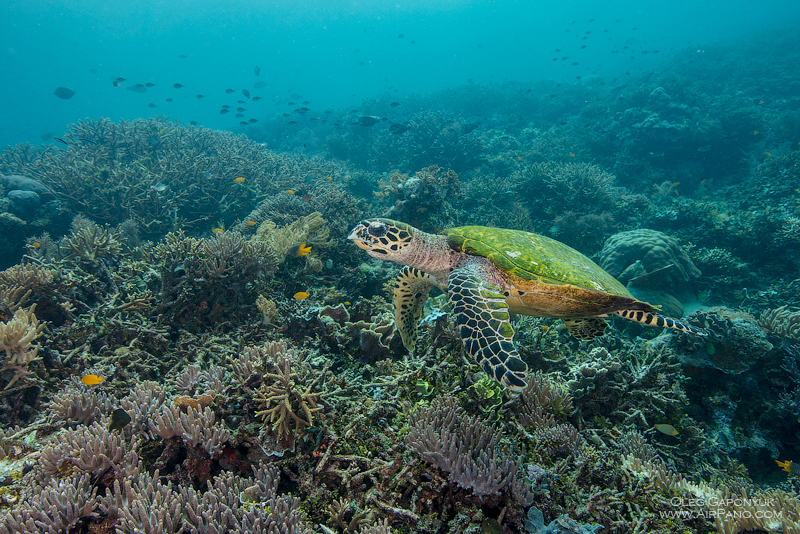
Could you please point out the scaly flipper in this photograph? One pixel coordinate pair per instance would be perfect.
(585, 328)
(482, 315)
(653, 319)
(411, 289)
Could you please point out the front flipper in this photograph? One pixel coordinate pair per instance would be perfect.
(483, 321)
(585, 328)
(411, 289)
(653, 319)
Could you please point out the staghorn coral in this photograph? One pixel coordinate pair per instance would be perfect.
(464, 446)
(286, 407)
(89, 242)
(782, 322)
(19, 282)
(16, 339)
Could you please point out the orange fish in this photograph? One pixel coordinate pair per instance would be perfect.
(300, 250)
(92, 380)
(250, 223)
(300, 295)
(239, 180)
(217, 230)
(36, 244)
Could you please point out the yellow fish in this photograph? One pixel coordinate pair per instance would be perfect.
(789, 466)
(572, 154)
(666, 429)
(250, 223)
(767, 153)
(300, 295)
(300, 250)
(217, 230)
(36, 244)
(290, 191)
(239, 180)
(329, 178)
(92, 380)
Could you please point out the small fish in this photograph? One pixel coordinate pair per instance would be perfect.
(119, 79)
(252, 121)
(218, 230)
(292, 122)
(766, 154)
(88, 141)
(64, 93)
(119, 419)
(290, 191)
(178, 85)
(239, 115)
(228, 91)
(224, 111)
(200, 96)
(183, 56)
(397, 128)
(61, 140)
(329, 178)
(148, 84)
(115, 83)
(240, 109)
(138, 88)
(92, 380)
(225, 106)
(401, 36)
(257, 70)
(260, 85)
(669, 430)
(250, 223)
(306, 198)
(789, 466)
(239, 180)
(151, 105)
(246, 93)
(300, 295)
(256, 98)
(394, 104)
(169, 100)
(36, 244)
(244, 123)
(299, 250)
(572, 154)
(368, 120)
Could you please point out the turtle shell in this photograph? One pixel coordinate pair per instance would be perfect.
(529, 256)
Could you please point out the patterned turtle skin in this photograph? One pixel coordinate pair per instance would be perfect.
(488, 273)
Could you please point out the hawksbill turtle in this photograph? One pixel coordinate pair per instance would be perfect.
(488, 273)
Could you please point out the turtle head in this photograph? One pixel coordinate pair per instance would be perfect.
(384, 239)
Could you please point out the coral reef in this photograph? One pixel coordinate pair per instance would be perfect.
(782, 322)
(16, 339)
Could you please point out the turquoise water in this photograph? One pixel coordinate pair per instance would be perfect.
(333, 54)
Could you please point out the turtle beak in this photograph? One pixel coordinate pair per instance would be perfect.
(357, 235)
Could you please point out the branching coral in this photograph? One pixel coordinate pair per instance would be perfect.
(90, 242)
(196, 426)
(79, 404)
(89, 449)
(311, 230)
(19, 282)
(287, 407)
(579, 187)
(16, 339)
(543, 402)
(464, 446)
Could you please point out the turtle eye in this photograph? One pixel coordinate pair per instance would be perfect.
(377, 229)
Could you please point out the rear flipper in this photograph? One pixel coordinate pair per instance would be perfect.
(653, 319)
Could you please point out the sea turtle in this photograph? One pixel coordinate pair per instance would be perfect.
(489, 272)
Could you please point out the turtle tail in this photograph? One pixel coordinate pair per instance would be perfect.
(653, 319)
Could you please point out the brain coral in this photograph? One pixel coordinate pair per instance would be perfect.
(653, 249)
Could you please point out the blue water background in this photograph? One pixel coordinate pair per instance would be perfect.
(332, 53)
